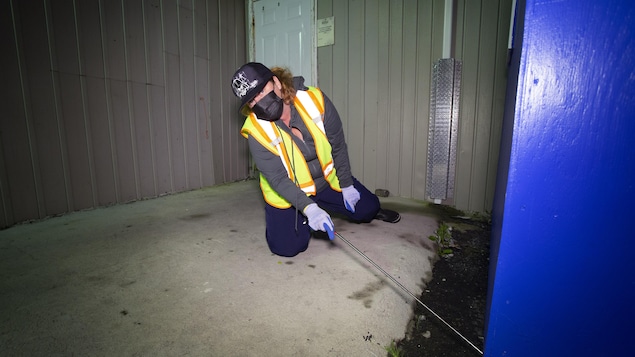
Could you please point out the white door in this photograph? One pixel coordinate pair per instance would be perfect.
(284, 36)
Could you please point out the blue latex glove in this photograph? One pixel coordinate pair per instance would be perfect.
(319, 220)
(351, 197)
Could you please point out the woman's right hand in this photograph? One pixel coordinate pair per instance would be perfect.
(319, 220)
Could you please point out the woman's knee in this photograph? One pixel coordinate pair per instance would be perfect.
(287, 248)
(366, 208)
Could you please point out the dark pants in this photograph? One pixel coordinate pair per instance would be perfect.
(288, 233)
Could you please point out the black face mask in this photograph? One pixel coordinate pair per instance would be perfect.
(268, 107)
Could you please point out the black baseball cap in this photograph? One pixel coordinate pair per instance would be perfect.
(248, 81)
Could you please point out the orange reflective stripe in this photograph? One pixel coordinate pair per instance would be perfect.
(318, 102)
(308, 187)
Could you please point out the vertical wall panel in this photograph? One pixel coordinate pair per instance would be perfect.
(138, 97)
(170, 13)
(76, 146)
(221, 130)
(371, 93)
(470, 124)
(384, 116)
(175, 122)
(467, 49)
(45, 132)
(6, 211)
(482, 43)
(189, 100)
(19, 198)
(429, 15)
(119, 113)
(202, 91)
(144, 163)
(394, 91)
(161, 148)
(122, 140)
(339, 93)
(156, 96)
(234, 147)
(91, 65)
(409, 99)
(241, 150)
(356, 110)
(202, 120)
(485, 85)
(115, 101)
(503, 67)
(71, 102)
(218, 95)
(100, 136)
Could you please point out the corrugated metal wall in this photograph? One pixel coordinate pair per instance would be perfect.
(482, 44)
(378, 74)
(105, 102)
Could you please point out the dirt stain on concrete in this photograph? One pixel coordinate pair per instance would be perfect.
(367, 293)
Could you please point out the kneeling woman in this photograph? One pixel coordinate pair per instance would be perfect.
(297, 141)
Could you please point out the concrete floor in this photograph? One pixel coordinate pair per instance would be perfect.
(191, 274)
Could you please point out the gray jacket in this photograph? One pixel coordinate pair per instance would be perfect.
(271, 166)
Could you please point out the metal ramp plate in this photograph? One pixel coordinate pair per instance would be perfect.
(443, 129)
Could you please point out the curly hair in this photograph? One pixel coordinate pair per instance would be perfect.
(286, 80)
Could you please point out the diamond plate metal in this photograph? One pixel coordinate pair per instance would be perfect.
(443, 129)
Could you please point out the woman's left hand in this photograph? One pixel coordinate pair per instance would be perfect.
(351, 197)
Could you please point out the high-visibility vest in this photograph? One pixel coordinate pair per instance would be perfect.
(310, 106)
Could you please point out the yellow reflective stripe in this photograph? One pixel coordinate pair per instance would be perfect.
(251, 127)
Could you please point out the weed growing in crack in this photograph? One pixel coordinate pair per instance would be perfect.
(443, 238)
(393, 350)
